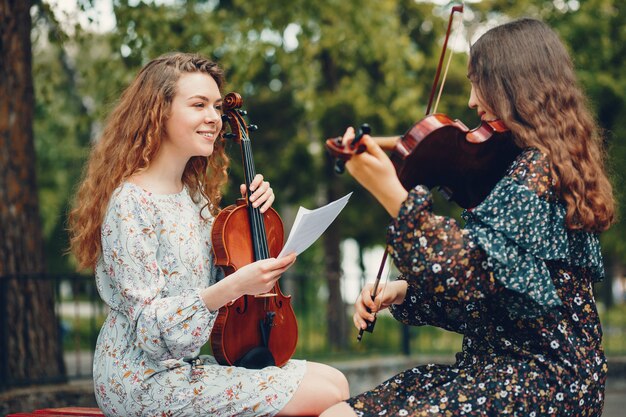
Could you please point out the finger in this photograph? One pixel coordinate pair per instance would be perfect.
(267, 204)
(256, 182)
(279, 272)
(363, 311)
(348, 136)
(365, 317)
(372, 147)
(358, 322)
(284, 261)
(365, 314)
(242, 190)
(260, 192)
(369, 301)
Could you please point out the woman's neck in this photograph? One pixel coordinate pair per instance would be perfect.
(163, 176)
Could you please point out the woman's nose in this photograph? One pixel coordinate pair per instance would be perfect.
(212, 115)
(471, 103)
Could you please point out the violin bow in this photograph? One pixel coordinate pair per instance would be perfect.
(370, 324)
(458, 8)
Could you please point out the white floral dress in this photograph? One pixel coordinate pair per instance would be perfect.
(156, 256)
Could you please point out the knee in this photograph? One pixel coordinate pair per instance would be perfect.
(339, 410)
(342, 387)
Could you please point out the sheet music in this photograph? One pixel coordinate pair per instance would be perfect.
(310, 224)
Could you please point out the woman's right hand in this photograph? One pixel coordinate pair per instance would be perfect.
(393, 293)
(259, 277)
(256, 278)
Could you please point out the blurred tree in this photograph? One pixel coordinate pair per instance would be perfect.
(30, 348)
(306, 70)
(262, 46)
(61, 127)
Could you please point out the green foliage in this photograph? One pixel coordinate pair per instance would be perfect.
(306, 70)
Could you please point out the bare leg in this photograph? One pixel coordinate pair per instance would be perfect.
(339, 410)
(321, 387)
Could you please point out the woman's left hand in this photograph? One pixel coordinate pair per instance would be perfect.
(375, 171)
(262, 194)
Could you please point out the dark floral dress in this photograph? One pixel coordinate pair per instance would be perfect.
(518, 285)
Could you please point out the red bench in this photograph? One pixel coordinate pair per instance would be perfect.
(64, 411)
(60, 412)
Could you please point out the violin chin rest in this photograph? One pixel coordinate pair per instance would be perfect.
(257, 358)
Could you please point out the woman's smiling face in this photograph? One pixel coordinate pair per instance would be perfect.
(195, 118)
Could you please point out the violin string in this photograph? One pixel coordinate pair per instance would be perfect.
(254, 220)
(256, 217)
(445, 73)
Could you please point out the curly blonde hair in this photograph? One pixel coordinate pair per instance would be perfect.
(524, 75)
(131, 139)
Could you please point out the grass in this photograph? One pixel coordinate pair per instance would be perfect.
(81, 333)
(614, 329)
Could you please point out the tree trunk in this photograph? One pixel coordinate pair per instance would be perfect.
(336, 311)
(28, 326)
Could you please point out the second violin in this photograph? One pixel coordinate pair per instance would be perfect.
(440, 152)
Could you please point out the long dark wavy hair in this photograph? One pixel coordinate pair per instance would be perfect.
(129, 142)
(525, 76)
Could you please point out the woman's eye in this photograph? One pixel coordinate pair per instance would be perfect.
(201, 105)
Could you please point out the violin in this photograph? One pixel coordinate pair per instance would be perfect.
(253, 331)
(440, 152)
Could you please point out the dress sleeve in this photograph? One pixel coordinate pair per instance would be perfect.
(521, 227)
(505, 248)
(444, 269)
(164, 327)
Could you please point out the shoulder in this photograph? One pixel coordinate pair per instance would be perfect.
(127, 195)
(129, 201)
(531, 169)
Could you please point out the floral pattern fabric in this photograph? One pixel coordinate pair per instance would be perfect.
(156, 257)
(517, 284)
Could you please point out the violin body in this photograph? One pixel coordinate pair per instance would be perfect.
(237, 330)
(253, 331)
(466, 164)
(229, 231)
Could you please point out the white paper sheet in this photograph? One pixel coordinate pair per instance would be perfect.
(310, 224)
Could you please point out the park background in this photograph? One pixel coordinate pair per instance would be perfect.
(306, 69)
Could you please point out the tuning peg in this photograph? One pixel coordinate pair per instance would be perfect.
(229, 135)
(242, 112)
(340, 166)
(364, 129)
(253, 128)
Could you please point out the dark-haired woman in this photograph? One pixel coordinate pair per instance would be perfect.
(516, 280)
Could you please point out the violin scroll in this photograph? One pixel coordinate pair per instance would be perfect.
(232, 100)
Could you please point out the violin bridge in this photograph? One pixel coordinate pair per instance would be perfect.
(266, 295)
